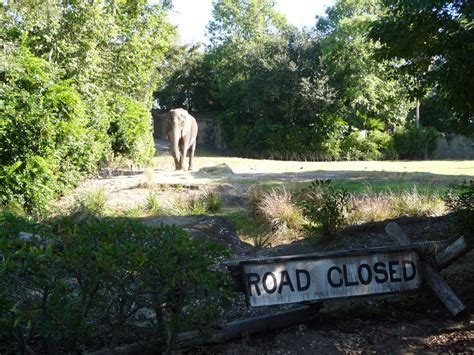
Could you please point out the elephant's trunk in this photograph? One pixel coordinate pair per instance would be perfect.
(175, 136)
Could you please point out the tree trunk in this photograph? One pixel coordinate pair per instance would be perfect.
(417, 113)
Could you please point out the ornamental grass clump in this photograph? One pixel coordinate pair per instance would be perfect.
(370, 208)
(278, 209)
(91, 203)
(415, 204)
(212, 201)
(152, 205)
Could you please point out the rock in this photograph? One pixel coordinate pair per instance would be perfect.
(205, 227)
(221, 169)
(302, 328)
(220, 230)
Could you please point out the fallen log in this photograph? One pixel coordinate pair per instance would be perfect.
(130, 349)
(253, 325)
(454, 251)
(232, 330)
(442, 289)
(437, 284)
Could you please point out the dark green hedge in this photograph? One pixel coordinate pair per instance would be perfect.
(74, 287)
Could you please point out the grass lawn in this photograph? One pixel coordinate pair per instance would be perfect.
(356, 176)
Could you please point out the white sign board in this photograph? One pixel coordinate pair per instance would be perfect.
(302, 280)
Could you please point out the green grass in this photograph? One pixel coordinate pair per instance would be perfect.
(360, 187)
(243, 222)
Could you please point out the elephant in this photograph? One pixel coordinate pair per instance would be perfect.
(182, 132)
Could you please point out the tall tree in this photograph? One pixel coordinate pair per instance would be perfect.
(243, 21)
(433, 41)
(237, 27)
(187, 80)
(369, 96)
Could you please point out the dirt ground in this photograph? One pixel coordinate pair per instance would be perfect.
(414, 322)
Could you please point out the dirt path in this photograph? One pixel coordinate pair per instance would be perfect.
(127, 189)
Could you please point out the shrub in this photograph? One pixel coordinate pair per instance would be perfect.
(45, 144)
(265, 139)
(130, 130)
(325, 207)
(460, 200)
(384, 144)
(375, 146)
(353, 147)
(75, 287)
(415, 143)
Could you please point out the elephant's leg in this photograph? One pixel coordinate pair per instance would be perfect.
(183, 150)
(177, 158)
(191, 155)
(177, 155)
(176, 163)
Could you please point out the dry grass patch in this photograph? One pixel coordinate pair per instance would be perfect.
(372, 207)
(413, 203)
(278, 209)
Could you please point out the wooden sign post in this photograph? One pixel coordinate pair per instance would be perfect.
(350, 273)
(320, 277)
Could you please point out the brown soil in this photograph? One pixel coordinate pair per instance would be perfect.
(415, 322)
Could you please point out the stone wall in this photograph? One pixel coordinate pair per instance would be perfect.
(454, 146)
(209, 135)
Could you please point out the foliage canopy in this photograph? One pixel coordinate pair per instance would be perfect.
(76, 82)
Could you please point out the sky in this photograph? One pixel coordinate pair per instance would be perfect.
(192, 16)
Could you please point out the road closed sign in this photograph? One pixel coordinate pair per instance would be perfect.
(271, 282)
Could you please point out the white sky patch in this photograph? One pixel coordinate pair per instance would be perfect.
(192, 16)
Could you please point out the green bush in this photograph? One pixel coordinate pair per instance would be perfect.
(384, 144)
(76, 81)
(356, 147)
(130, 130)
(460, 200)
(44, 139)
(286, 141)
(73, 288)
(376, 146)
(415, 143)
(325, 207)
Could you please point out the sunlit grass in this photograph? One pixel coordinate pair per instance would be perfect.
(278, 209)
(152, 204)
(91, 203)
